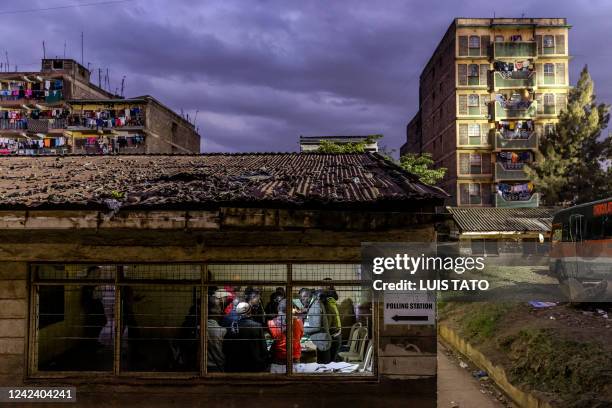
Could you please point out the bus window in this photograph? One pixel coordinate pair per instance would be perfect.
(557, 234)
(565, 237)
(576, 224)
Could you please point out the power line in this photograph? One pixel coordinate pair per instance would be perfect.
(98, 3)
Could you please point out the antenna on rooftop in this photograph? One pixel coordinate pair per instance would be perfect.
(82, 42)
(195, 118)
(64, 49)
(8, 65)
(44, 51)
(122, 85)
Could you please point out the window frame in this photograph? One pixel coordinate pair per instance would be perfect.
(548, 70)
(479, 195)
(473, 79)
(470, 127)
(473, 49)
(548, 107)
(203, 284)
(548, 44)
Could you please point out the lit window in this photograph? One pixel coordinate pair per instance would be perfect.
(156, 329)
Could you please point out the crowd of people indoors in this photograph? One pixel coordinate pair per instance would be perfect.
(245, 336)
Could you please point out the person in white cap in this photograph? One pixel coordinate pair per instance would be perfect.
(244, 345)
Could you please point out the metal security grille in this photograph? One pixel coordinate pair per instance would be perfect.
(323, 272)
(201, 319)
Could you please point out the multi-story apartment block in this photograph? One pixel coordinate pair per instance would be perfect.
(488, 92)
(58, 110)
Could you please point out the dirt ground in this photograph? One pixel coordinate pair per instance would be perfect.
(563, 353)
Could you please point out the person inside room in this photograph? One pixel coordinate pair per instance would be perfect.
(253, 297)
(278, 329)
(244, 345)
(271, 308)
(329, 297)
(316, 326)
(215, 335)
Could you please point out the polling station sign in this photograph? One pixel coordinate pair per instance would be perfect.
(409, 308)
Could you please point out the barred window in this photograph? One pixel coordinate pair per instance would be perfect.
(202, 320)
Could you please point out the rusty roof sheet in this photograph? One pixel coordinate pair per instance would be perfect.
(474, 219)
(209, 180)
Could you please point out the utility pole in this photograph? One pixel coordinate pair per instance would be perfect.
(122, 85)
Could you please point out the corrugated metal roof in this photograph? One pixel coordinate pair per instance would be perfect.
(285, 179)
(473, 219)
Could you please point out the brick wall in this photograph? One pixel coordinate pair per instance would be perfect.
(13, 313)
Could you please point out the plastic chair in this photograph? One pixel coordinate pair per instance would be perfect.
(366, 364)
(357, 346)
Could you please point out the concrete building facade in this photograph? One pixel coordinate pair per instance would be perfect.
(490, 89)
(58, 110)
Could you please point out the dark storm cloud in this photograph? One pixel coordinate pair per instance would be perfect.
(260, 73)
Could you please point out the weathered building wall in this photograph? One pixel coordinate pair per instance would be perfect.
(169, 133)
(230, 235)
(13, 318)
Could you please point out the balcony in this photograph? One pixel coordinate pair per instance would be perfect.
(524, 201)
(87, 122)
(33, 125)
(510, 172)
(527, 49)
(30, 98)
(520, 110)
(514, 79)
(510, 140)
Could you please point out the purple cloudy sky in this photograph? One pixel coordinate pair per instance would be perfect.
(263, 72)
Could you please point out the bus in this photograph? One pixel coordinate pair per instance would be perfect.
(581, 251)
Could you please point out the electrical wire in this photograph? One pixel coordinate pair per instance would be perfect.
(98, 3)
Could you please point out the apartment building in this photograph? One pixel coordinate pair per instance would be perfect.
(58, 110)
(491, 88)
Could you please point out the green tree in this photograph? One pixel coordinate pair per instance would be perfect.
(573, 165)
(329, 147)
(421, 166)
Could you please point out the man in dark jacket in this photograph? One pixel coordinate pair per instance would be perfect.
(244, 345)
